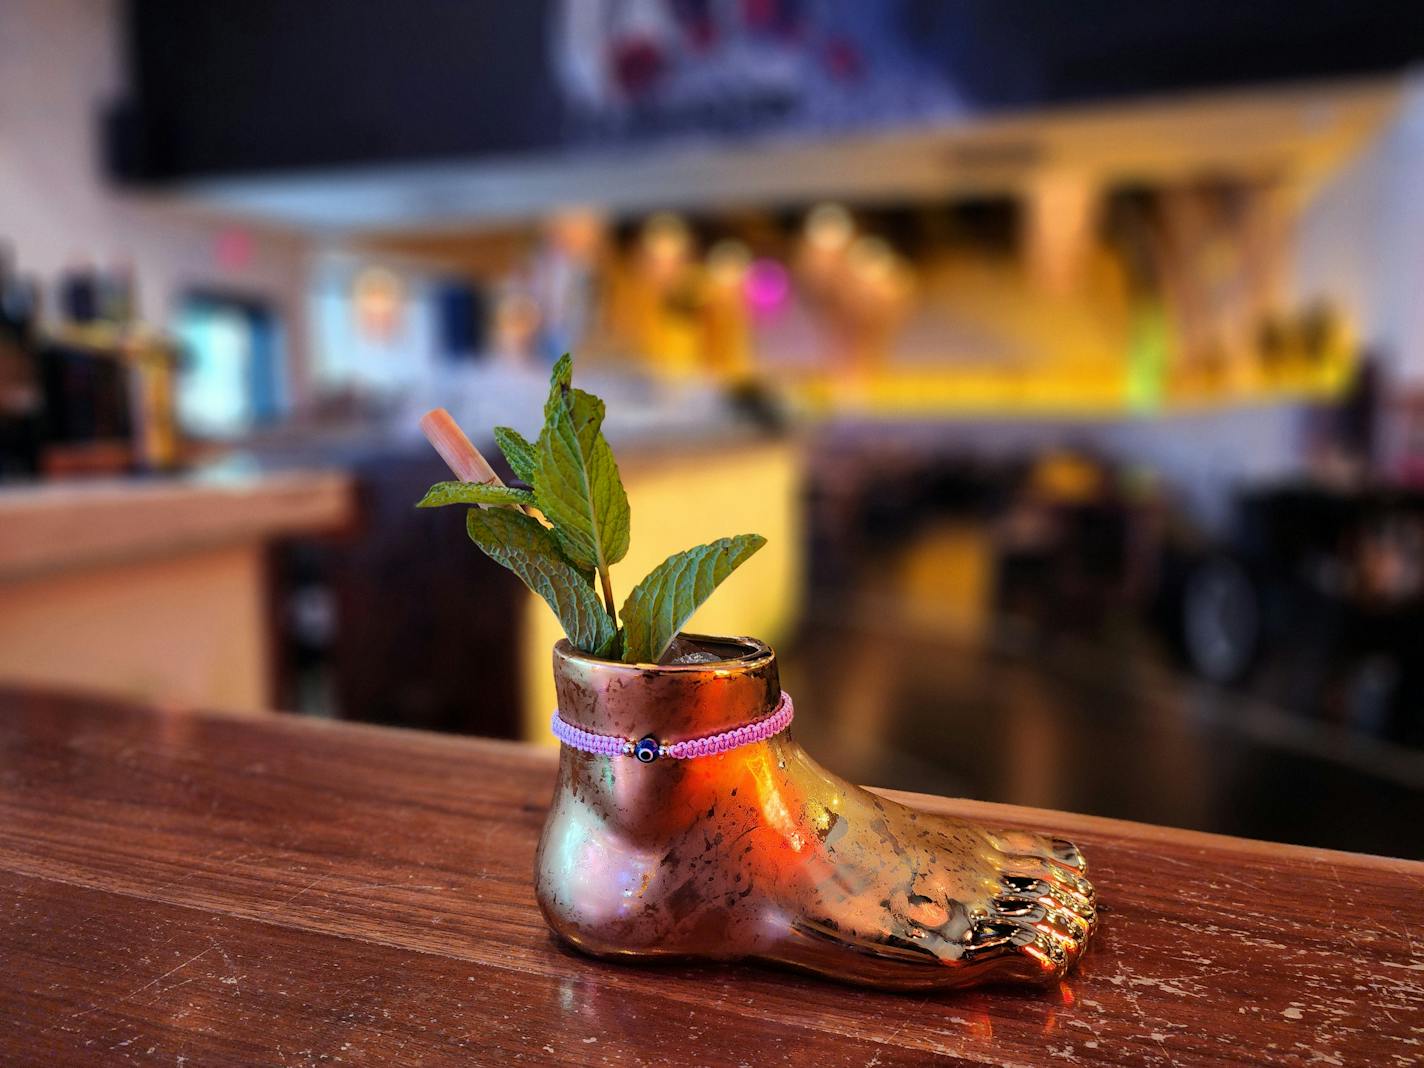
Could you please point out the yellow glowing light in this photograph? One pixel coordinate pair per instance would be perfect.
(666, 237)
(872, 259)
(727, 263)
(829, 227)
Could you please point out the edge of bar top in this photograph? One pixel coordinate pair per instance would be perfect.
(139, 519)
(536, 757)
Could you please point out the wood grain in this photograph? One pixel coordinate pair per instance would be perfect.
(184, 888)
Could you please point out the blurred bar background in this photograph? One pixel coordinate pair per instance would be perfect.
(1071, 357)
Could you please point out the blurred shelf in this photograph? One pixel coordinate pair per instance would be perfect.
(927, 392)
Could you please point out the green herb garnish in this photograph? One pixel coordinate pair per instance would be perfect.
(573, 480)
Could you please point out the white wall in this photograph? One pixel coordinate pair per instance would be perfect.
(60, 63)
(1361, 242)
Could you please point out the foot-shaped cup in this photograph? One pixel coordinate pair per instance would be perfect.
(760, 853)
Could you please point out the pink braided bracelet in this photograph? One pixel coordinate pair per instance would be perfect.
(648, 749)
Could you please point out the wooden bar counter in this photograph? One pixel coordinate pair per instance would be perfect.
(181, 888)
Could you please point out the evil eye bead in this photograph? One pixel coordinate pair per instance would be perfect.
(646, 749)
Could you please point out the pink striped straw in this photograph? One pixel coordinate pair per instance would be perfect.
(649, 748)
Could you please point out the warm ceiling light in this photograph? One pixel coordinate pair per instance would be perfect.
(577, 232)
(376, 296)
(666, 237)
(872, 259)
(727, 263)
(829, 227)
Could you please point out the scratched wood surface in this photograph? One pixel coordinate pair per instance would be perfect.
(185, 889)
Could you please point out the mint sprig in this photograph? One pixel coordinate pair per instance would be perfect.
(576, 485)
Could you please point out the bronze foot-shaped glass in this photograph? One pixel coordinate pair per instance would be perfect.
(760, 853)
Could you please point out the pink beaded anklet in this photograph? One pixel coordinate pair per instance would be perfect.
(648, 749)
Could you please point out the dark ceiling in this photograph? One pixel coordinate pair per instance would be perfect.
(227, 87)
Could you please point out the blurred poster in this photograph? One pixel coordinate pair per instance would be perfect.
(649, 68)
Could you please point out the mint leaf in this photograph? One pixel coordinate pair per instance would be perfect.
(443, 493)
(559, 379)
(577, 481)
(659, 605)
(523, 461)
(525, 546)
